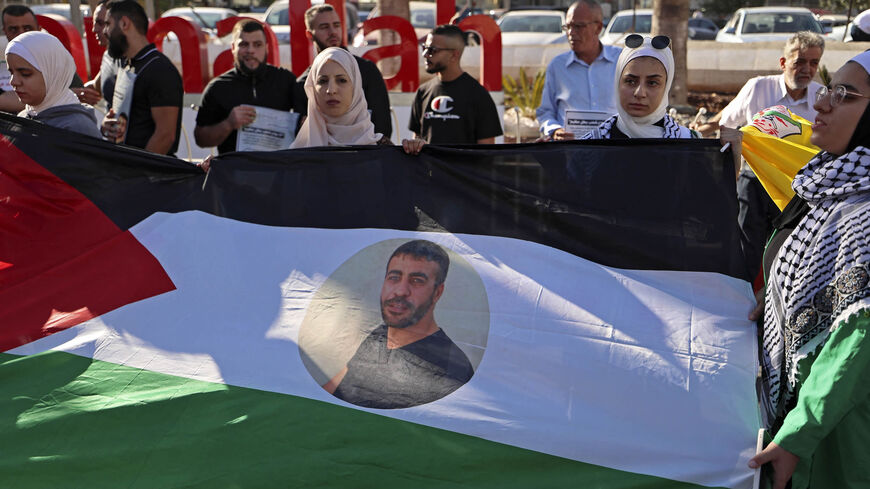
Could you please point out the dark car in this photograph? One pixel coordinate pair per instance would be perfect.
(701, 29)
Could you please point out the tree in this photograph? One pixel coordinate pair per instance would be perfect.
(671, 18)
(842, 6)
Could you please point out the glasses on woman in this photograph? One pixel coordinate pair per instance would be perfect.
(636, 40)
(838, 94)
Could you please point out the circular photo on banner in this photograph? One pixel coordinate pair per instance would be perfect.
(400, 323)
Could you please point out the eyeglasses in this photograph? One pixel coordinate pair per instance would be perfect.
(430, 50)
(636, 40)
(837, 94)
(578, 27)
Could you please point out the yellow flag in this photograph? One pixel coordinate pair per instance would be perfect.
(776, 145)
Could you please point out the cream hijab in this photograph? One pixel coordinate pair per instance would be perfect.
(354, 127)
(642, 127)
(47, 55)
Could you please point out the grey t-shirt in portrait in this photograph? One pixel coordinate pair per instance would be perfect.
(420, 372)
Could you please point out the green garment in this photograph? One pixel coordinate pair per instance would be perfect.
(829, 427)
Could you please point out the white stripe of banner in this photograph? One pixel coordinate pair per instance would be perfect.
(651, 372)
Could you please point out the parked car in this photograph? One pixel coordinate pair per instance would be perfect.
(626, 22)
(278, 18)
(422, 18)
(620, 25)
(756, 24)
(60, 9)
(532, 27)
(701, 29)
(206, 17)
(841, 33)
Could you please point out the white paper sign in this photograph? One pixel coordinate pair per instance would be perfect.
(271, 130)
(581, 122)
(5, 77)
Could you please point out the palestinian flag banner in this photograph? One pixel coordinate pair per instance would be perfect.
(776, 144)
(551, 315)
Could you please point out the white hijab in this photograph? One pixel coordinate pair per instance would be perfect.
(50, 58)
(354, 127)
(642, 127)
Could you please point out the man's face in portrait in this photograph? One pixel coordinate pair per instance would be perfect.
(409, 290)
(800, 67)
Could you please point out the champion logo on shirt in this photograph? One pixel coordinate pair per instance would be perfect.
(442, 104)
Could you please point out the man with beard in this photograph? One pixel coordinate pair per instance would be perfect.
(18, 19)
(408, 360)
(103, 85)
(323, 27)
(795, 89)
(154, 120)
(582, 78)
(228, 101)
(452, 107)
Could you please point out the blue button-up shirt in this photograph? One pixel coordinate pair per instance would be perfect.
(572, 84)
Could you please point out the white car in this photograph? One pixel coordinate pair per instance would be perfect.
(532, 27)
(60, 9)
(207, 17)
(757, 24)
(422, 18)
(626, 22)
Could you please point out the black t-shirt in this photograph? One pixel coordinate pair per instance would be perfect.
(269, 87)
(158, 84)
(455, 112)
(374, 88)
(420, 372)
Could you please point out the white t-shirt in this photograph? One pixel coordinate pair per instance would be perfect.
(762, 92)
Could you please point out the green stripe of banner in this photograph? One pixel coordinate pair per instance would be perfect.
(69, 421)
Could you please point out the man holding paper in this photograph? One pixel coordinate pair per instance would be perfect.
(581, 80)
(233, 101)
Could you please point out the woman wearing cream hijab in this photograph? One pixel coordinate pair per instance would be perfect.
(42, 70)
(337, 110)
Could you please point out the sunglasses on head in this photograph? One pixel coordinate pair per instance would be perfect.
(636, 40)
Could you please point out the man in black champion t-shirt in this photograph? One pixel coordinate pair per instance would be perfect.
(408, 360)
(452, 107)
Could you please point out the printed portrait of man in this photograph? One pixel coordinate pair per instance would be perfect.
(408, 360)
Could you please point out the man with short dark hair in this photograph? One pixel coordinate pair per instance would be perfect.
(102, 86)
(154, 120)
(408, 360)
(581, 79)
(323, 28)
(452, 107)
(229, 100)
(18, 19)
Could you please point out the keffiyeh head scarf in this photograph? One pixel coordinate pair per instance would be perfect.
(642, 127)
(354, 126)
(49, 57)
(822, 271)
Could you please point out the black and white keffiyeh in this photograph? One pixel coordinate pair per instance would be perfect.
(671, 130)
(821, 270)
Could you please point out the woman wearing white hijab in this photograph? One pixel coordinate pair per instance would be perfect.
(42, 70)
(645, 73)
(816, 354)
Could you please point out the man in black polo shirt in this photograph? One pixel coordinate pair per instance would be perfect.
(452, 108)
(154, 120)
(324, 29)
(228, 99)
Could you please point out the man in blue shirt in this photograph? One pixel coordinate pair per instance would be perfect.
(581, 79)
